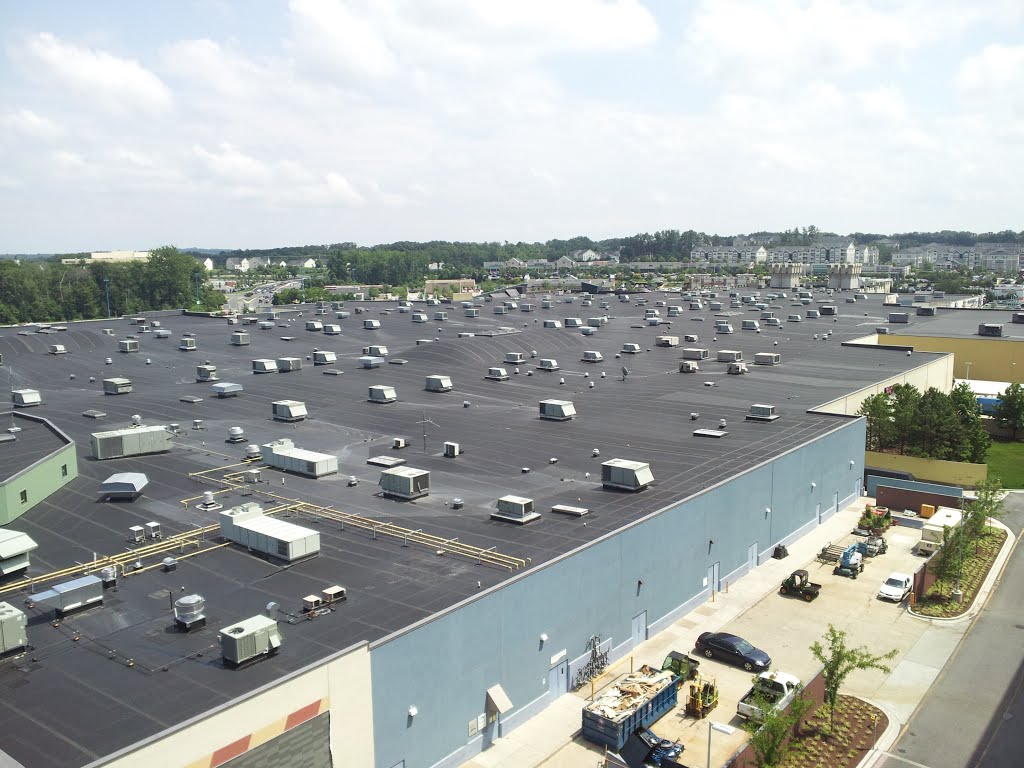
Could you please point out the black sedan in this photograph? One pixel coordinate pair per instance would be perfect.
(734, 650)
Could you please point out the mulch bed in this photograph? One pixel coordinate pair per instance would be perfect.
(937, 602)
(854, 735)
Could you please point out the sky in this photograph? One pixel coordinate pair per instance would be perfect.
(127, 125)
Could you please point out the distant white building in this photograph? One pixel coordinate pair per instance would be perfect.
(207, 264)
(111, 256)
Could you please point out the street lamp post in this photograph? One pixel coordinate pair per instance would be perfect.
(195, 276)
(968, 364)
(106, 285)
(728, 730)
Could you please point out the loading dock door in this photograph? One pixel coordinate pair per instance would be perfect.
(639, 629)
(713, 585)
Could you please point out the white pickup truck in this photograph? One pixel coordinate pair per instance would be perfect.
(776, 688)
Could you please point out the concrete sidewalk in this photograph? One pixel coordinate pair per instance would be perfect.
(551, 738)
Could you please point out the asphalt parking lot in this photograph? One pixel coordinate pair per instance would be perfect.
(785, 627)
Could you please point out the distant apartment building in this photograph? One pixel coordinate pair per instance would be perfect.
(1002, 258)
(834, 251)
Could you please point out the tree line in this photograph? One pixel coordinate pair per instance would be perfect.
(930, 425)
(49, 291)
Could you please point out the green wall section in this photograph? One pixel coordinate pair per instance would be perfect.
(38, 481)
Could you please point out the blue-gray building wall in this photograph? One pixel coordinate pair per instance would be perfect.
(445, 665)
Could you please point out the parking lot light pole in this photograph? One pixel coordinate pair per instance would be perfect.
(728, 730)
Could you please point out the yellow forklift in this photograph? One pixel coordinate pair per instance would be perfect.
(703, 697)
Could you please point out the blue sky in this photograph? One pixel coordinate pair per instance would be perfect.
(127, 125)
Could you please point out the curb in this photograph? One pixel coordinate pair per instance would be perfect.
(986, 586)
(886, 740)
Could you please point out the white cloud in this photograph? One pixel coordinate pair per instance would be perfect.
(234, 166)
(30, 125)
(997, 71)
(341, 189)
(119, 85)
(772, 43)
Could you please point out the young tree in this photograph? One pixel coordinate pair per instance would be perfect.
(839, 661)
(988, 504)
(975, 441)
(947, 564)
(769, 737)
(1010, 410)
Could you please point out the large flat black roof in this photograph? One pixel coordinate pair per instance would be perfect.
(69, 702)
(959, 323)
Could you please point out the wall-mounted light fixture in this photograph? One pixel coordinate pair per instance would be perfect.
(852, 462)
(413, 711)
(813, 486)
(767, 511)
(543, 637)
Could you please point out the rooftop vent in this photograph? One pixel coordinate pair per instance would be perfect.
(760, 412)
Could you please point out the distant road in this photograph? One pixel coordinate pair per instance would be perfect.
(973, 715)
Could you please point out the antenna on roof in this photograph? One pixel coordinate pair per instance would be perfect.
(424, 422)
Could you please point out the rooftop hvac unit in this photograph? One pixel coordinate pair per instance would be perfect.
(736, 368)
(629, 348)
(135, 441)
(723, 327)
(515, 358)
(371, 325)
(767, 358)
(123, 486)
(206, 373)
(547, 364)
(314, 325)
(527, 307)
(249, 640)
(1018, 317)
(324, 357)
(883, 330)
(236, 435)
(626, 475)
(162, 334)
(287, 364)
(990, 329)
(557, 410)
(588, 331)
(128, 345)
(342, 314)
(592, 356)
(552, 324)
(187, 344)
(729, 356)
(226, 389)
(440, 316)
(277, 539)
(691, 338)
(153, 531)
(405, 483)
(75, 595)
(471, 312)
(13, 623)
(438, 384)
(898, 317)
(266, 325)
(14, 550)
(289, 410)
(695, 353)
(546, 304)
(515, 509)
(263, 365)
(380, 393)
(190, 612)
(452, 450)
(760, 412)
(58, 349)
(598, 322)
(331, 329)
(572, 322)
(26, 398)
(371, 361)
(794, 319)
(688, 366)
(497, 374)
(399, 442)
(252, 452)
(828, 310)
(674, 311)
(376, 350)
(925, 311)
(240, 339)
(667, 341)
(419, 317)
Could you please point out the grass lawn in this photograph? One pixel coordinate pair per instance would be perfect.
(1006, 461)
